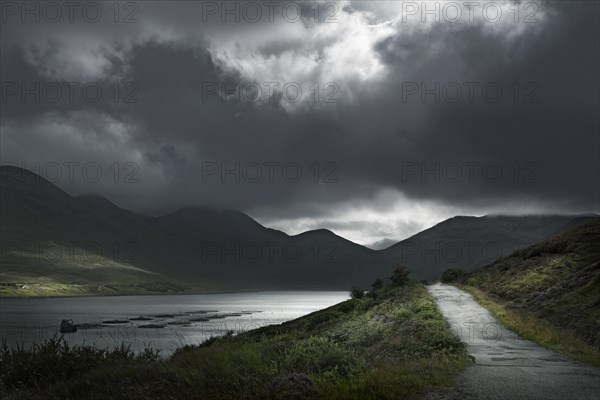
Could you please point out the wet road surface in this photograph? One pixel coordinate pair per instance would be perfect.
(507, 366)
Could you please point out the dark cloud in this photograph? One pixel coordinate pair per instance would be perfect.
(186, 143)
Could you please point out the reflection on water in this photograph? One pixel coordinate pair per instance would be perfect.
(162, 322)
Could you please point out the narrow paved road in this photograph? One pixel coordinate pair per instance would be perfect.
(507, 366)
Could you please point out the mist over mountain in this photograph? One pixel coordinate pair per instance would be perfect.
(50, 236)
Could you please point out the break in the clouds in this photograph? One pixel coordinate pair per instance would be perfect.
(372, 119)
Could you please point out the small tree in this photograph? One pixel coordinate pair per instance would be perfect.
(452, 275)
(399, 276)
(378, 284)
(357, 293)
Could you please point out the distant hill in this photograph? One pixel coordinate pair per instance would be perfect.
(74, 245)
(470, 242)
(52, 238)
(558, 280)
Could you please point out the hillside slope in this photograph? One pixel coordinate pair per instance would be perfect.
(52, 239)
(556, 280)
(392, 344)
(471, 242)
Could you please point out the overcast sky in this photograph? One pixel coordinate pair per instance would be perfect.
(372, 119)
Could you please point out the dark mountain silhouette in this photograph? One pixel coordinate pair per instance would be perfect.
(470, 242)
(201, 248)
(49, 236)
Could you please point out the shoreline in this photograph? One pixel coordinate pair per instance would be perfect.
(333, 353)
(187, 293)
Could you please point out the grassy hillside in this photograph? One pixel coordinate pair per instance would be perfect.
(550, 289)
(55, 244)
(389, 345)
(472, 242)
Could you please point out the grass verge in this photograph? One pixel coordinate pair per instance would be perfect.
(530, 327)
(391, 344)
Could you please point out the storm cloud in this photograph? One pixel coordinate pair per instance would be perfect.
(372, 119)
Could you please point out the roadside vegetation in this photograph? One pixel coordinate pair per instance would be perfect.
(529, 326)
(391, 343)
(548, 292)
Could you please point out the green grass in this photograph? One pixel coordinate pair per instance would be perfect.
(529, 326)
(63, 271)
(391, 344)
(42, 288)
(548, 292)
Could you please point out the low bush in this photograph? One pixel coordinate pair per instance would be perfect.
(452, 275)
(356, 293)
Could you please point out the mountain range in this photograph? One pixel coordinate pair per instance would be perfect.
(53, 240)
